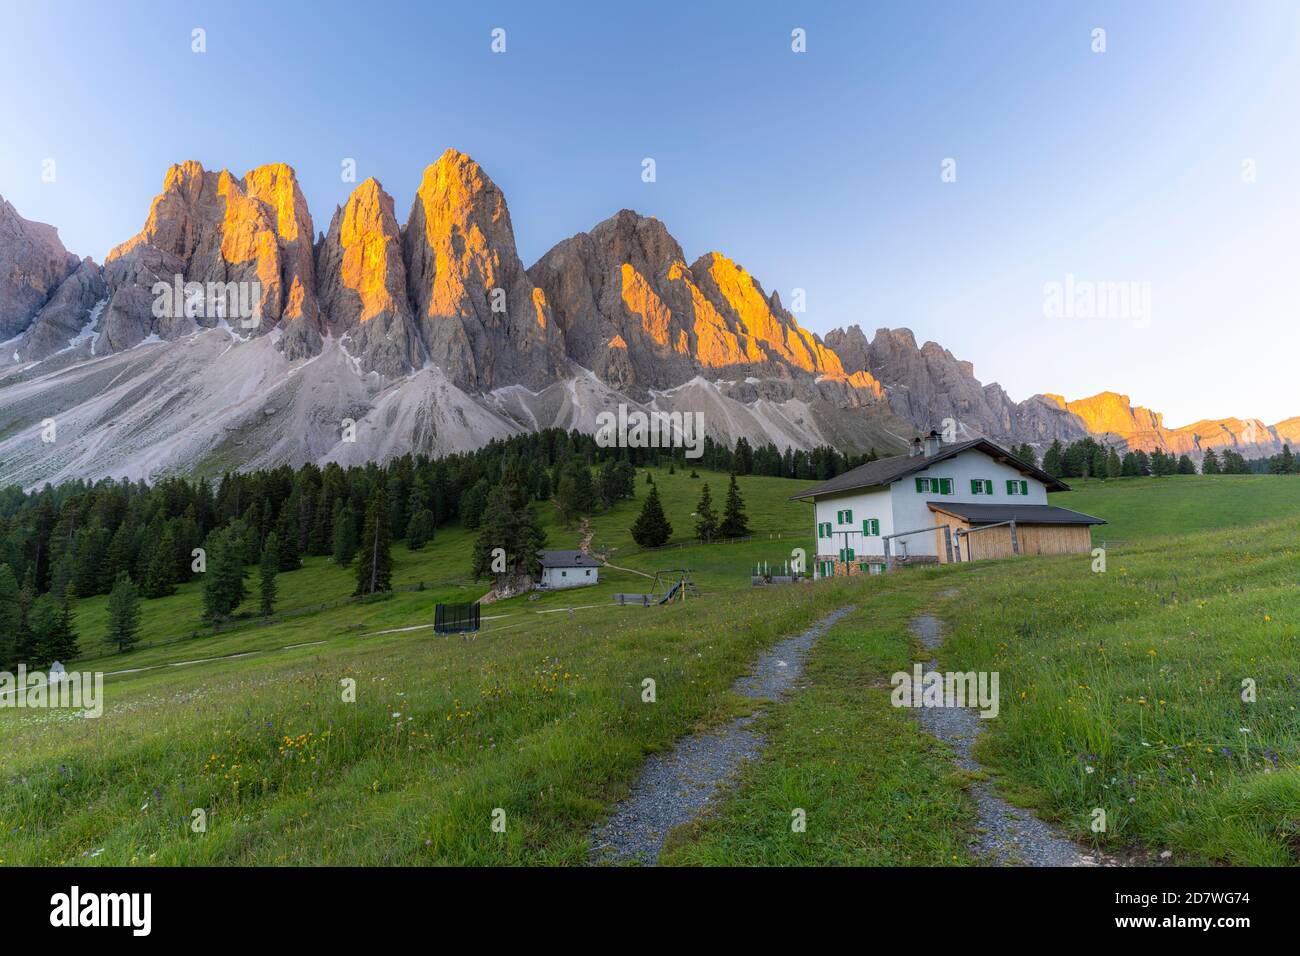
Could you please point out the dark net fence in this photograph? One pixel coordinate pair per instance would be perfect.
(455, 618)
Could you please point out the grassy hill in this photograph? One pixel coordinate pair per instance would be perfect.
(1135, 673)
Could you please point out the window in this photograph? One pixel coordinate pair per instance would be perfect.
(844, 517)
(870, 526)
(937, 486)
(824, 530)
(588, 572)
(1017, 487)
(564, 574)
(981, 486)
(846, 555)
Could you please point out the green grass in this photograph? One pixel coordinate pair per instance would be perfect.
(1135, 508)
(1135, 673)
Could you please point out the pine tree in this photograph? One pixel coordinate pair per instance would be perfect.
(419, 530)
(160, 579)
(375, 567)
(53, 635)
(345, 533)
(1053, 460)
(268, 568)
(651, 528)
(10, 619)
(286, 533)
(706, 520)
(509, 524)
(1185, 465)
(123, 613)
(1210, 463)
(92, 553)
(734, 523)
(1114, 467)
(223, 583)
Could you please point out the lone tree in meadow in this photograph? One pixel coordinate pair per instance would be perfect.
(651, 528)
(268, 568)
(706, 519)
(123, 613)
(734, 523)
(509, 524)
(375, 563)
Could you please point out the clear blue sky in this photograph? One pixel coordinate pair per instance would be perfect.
(819, 171)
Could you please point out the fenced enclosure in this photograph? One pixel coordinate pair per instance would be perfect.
(456, 618)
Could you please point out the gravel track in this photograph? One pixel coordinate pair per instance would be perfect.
(676, 787)
(1009, 835)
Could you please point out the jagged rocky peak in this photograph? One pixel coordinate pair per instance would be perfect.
(212, 227)
(362, 283)
(33, 264)
(635, 313)
(482, 319)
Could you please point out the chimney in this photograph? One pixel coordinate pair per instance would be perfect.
(932, 443)
(917, 449)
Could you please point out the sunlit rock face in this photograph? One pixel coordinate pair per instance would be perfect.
(1113, 414)
(482, 319)
(213, 227)
(637, 315)
(33, 263)
(362, 282)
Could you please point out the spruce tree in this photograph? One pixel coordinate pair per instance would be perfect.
(1053, 460)
(375, 564)
(286, 533)
(419, 530)
(345, 533)
(10, 619)
(1210, 463)
(160, 579)
(123, 613)
(268, 568)
(734, 523)
(223, 583)
(651, 528)
(509, 524)
(1185, 465)
(706, 520)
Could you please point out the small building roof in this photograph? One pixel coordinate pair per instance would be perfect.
(980, 513)
(886, 471)
(567, 559)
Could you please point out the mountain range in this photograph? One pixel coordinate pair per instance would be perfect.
(432, 336)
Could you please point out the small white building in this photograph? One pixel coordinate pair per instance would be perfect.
(567, 569)
(940, 503)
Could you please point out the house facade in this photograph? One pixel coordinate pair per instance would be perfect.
(567, 569)
(973, 489)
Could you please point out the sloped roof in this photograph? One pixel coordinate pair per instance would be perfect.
(567, 559)
(980, 513)
(886, 471)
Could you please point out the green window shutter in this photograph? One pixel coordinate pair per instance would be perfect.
(852, 554)
(919, 486)
(976, 486)
(945, 486)
(875, 526)
(848, 516)
(866, 526)
(1024, 487)
(1011, 487)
